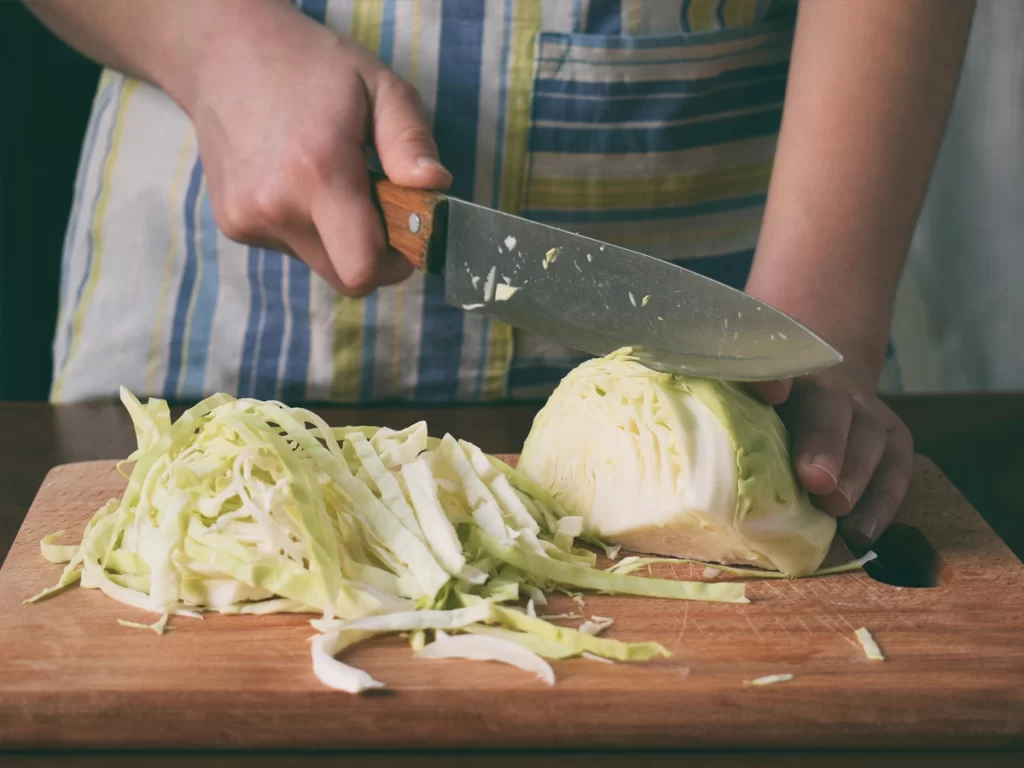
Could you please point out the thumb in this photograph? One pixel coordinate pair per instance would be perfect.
(772, 392)
(402, 137)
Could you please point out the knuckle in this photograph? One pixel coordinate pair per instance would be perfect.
(233, 219)
(359, 276)
(268, 207)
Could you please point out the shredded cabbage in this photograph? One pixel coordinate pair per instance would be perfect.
(244, 506)
(484, 648)
(630, 564)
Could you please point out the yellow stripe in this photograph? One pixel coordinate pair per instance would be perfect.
(366, 23)
(350, 314)
(522, 62)
(172, 251)
(98, 222)
(740, 13)
(526, 19)
(346, 380)
(615, 194)
(701, 15)
(635, 16)
(417, 24)
(400, 289)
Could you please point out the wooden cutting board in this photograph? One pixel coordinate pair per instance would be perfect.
(70, 675)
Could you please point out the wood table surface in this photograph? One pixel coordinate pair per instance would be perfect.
(976, 439)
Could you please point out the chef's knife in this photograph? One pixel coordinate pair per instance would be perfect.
(592, 296)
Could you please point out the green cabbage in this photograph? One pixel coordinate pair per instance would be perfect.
(675, 465)
(251, 507)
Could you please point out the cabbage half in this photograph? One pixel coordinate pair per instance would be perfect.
(675, 465)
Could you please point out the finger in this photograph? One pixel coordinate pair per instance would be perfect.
(352, 234)
(884, 494)
(404, 141)
(864, 448)
(307, 247)
(820, 422)
(772, 392)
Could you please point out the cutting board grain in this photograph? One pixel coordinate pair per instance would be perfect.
(70, 676)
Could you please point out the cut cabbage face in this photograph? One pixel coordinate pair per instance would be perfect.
(252, 507)
(675, 465)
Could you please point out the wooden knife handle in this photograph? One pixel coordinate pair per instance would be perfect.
(416, 222)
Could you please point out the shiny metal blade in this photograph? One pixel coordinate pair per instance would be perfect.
(597, 298)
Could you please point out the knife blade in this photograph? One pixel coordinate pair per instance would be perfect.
(595, 297)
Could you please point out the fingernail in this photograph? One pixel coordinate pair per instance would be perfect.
(827, 465)
(429, 163)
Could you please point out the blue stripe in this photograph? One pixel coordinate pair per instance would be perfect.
(732, 269)
(546, 373)
(271, 335)
(204, 303)
(387, 32)
(662, 87)
(604, 17)
(559, 217)
(720, 13)
(172, 382)
(315, 9)
(458, 78)
(296, 364)
(684, 16)
(73, 309)
(247, 369)
(577, 16)
(672, 138)
(569, 109)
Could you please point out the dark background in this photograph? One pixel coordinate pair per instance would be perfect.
(46, 91)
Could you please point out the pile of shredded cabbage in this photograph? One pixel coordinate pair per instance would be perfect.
(249, 506)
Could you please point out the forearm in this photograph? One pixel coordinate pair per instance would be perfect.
(871, 85)
(164, 42)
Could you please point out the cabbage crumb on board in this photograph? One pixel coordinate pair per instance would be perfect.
(867, 642)
(769, 680)
(244, 506)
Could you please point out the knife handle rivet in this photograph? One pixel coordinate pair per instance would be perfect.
(414, 223)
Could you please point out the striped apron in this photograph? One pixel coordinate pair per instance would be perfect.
(647, 123)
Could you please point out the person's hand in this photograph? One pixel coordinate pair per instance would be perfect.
(284, 110)
(850, 451)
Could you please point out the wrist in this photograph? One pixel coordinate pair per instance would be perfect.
(853, 319)
(219, 36)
